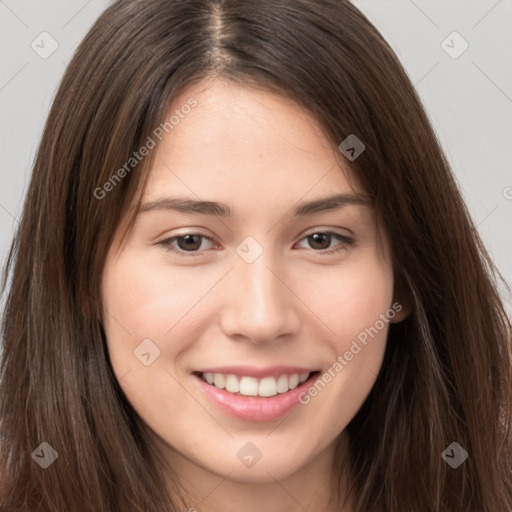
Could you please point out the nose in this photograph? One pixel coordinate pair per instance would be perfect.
(259, 304)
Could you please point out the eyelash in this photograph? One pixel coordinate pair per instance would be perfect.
(346, 242)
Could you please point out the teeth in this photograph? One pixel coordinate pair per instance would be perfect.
(282, 384)
(303, 377)
(250, 386)
(294, 381)
(232, 384)
(268, 387)
(219, 381)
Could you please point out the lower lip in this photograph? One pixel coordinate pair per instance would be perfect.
(251, 408)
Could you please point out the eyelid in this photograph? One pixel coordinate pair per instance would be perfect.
(325, 229)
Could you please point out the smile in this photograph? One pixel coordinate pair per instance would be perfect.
(255, 395)
(250, 386)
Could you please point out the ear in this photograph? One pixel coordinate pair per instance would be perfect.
(402, 304)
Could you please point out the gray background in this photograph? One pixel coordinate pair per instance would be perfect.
(468, 98)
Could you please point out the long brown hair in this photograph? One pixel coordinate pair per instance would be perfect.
(447, 372)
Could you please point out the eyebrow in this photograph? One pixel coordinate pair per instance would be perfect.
(223, 210)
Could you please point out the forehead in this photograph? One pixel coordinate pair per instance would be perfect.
(244, 143)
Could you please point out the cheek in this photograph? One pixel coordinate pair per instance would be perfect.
(356, 305)
(147, 299)
(143, 301)
(352, 298)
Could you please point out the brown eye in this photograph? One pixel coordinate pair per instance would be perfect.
(321, 241)
(188, 243)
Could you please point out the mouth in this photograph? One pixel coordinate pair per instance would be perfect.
(246, 385)
(253, 395)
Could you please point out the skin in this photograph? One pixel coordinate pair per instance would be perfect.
(261, 154)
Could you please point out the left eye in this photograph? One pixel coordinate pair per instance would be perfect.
(191, 243)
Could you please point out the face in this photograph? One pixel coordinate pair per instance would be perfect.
(248, 333)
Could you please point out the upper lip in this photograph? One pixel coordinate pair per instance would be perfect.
(258, 373)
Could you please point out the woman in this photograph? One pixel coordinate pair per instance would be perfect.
(244, 279)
